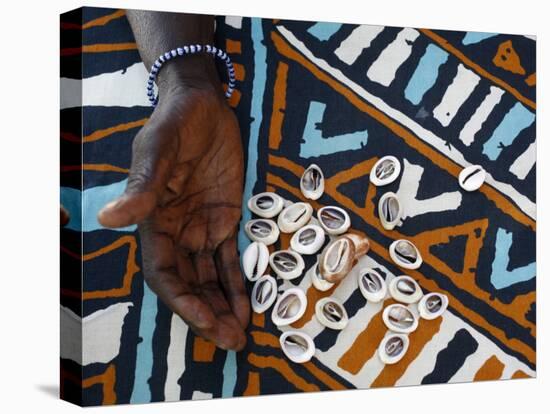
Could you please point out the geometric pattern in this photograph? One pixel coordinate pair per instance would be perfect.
(341, 96)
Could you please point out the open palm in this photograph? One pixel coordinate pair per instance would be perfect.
(184, 191)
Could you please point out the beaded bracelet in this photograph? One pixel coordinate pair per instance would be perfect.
(189, 50)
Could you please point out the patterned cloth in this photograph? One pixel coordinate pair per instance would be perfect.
(340, 96)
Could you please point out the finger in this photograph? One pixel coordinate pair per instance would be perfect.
(230, 333)
(229, 271)
(162, 275)
(153, 157)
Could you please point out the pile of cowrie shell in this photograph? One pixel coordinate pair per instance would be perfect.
(275, 215)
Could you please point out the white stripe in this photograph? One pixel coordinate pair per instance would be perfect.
(451, 152)
(105, 89)
(175, 358)
(383, 69)
(481, 114)
(525, 162)
(358, 40)
(424, 363)
(456, 94)
(234, 21)
(199, 395)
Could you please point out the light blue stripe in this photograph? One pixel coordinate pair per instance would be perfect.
(93, 199)
(229, 374)
(315, 145)
(141, 392)
(515, 121)
(476, 37)
(425, 74)
(323, 30)
(258, 88)
(501, 277)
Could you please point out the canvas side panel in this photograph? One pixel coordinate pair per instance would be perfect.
(71, 200)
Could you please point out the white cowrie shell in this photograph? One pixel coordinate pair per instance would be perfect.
(393, 347)
(331, 313)
(297, 346)
(287, 264)
(317, 279)
(333, 220)
(433, 305)
(262, 230)
(405, 289)
(337, 259)
(308, 240)
(294, 216)
(398, 318)
(385, 171)
(472, 177)
(390, 210)
(372, 285)
(264, 293)
(255, 260)
(312, 183)
(405, 254)
(266, 205)
(290, 307)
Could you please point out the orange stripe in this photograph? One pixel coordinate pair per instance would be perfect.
(283, 368)
(324, 377)
(313, 295)
(102, 21)
(366, 343)
(131, 269)
(444, 43)
(253, 386)
(203, 350)
(520, 374)
(531, 80)
(418, 339)
(239, 71)
(258, 319)
(490, 370)
(103, 133)
(265, 339)
(410, 139)
(107, 380)
(235, 97)
(279, 106)
(93, 167)
(514, 310)
(108, 47)
(233, 46)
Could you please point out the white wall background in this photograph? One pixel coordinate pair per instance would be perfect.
(29, 264)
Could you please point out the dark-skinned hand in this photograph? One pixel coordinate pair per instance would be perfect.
(184, 192)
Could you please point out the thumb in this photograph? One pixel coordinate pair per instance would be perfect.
(153, 156)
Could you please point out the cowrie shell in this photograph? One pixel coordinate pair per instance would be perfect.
(398, 318)
(266, 205)
(290, 307)
(286, 264)
(264, 293)
(312, 183)
(405, 289)
(255, 260)
(393, 347)
(390, 210)
(405, 254)
(294, 217)
(472, 177)
(372, 285)
(297, 346)
(333, 220)
(385, 171)
(331, 313)
(262, 230)
(433, 305)
(308, 240)
(317, 279)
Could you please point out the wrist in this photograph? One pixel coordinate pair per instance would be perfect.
(195, 71)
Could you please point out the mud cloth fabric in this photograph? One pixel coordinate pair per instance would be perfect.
(340, 96)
